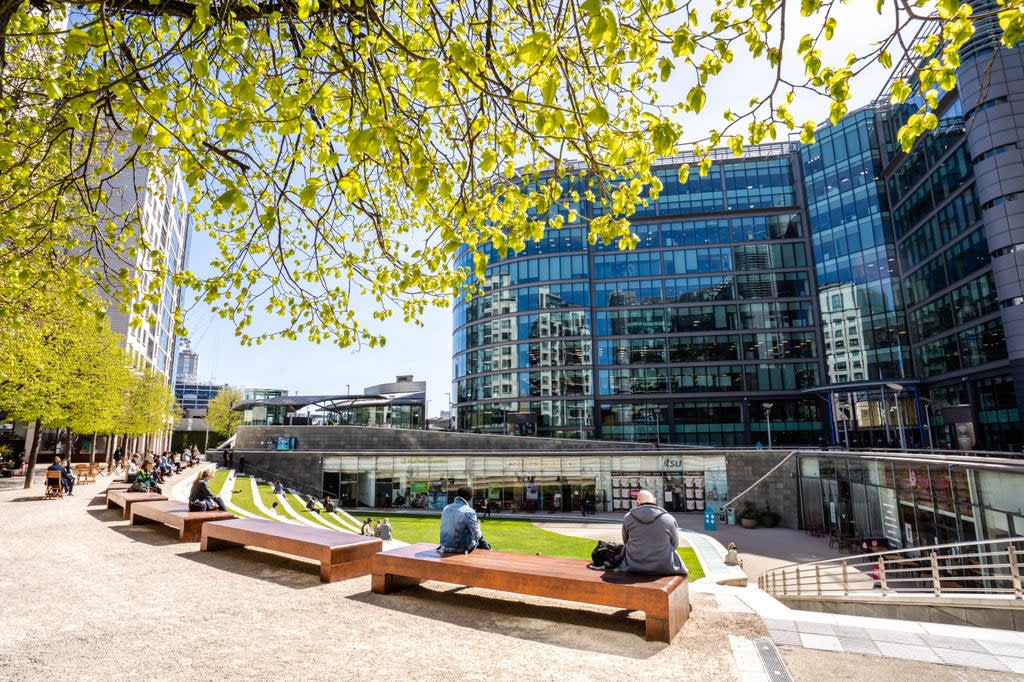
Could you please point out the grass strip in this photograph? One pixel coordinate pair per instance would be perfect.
(243, 498)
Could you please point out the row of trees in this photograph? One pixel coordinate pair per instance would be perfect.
(61, 366)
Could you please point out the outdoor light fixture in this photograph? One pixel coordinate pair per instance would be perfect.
(896, 390)
(768, 418)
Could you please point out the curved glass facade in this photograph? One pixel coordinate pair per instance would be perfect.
(843, 292)
(679, 340)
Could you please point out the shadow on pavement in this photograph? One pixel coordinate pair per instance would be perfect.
(261, 565)
(582, 627)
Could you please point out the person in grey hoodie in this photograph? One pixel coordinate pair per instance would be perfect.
(650, 537)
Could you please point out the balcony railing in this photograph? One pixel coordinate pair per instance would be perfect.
(978, 568)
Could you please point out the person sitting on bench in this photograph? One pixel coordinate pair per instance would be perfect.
(460, 528)
(146, 478)
(650, 536)
(132, 469)
(201, 492)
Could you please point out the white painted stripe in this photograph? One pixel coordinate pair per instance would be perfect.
(225, 494)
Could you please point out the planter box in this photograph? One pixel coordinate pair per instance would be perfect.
(748, 523)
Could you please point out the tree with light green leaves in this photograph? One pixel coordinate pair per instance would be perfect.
(60, 366)
(345, 149)
(148, 406)
(219, 414)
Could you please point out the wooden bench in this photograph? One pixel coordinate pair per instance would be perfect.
(125, 500)
(664, 600)
(189, 524)
(341, 555)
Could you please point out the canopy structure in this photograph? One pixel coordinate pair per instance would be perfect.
(333, 403)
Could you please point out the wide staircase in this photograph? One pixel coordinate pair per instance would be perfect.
(966, 583)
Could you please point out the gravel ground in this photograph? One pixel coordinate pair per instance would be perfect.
(87, 596)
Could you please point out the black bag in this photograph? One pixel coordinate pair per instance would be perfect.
(138, 487)
(607, 554)
(197, 505)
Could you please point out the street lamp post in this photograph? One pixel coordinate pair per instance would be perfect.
(896, 390)
(768, 418)
(928, 422)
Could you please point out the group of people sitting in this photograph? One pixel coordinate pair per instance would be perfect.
(380, 529)
(316, 506)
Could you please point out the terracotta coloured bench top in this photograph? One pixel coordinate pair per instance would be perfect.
(175, 514)
(663, 599)
(125, 500)
(341, 555)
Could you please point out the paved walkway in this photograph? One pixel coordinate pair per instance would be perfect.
(250, 615)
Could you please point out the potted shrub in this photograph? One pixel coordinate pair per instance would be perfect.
(769, 518)
(748, 517)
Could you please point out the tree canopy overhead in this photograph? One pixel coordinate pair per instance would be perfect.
(337, 149)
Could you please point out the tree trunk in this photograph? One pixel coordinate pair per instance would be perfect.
(32, 454)
(108, 449)
(92, 449)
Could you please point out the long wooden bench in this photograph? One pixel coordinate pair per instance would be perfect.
(664, 600)
(341, 555)
(125, 500)
(189, 524)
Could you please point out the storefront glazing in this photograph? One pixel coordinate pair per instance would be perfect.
(524, 483)
(909, 504)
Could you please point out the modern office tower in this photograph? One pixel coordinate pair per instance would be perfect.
(684, 340)
(843, 292)
(957, 202)
(164, 227)
(194, 396)
(186, 369)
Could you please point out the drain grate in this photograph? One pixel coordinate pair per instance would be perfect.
(771, 660)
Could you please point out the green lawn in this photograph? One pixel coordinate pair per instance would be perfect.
(519, 536)
(507, 535)
(243, 498)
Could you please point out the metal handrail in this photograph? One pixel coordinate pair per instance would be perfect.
(972, 568)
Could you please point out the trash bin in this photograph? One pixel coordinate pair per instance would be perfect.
(710, 522)
(730, 515)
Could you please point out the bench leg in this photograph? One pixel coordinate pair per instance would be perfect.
(111, 504)
(209, 544)
(330, 573)
(385, 583)
(190, 531)
(665, 623)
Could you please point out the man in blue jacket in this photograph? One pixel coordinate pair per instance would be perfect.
(460, 529)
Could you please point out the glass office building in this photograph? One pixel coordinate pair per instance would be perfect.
(685, 339)
(843, 292)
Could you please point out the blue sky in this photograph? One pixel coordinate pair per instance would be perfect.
(308, 368)
(425, 352)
